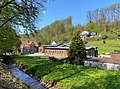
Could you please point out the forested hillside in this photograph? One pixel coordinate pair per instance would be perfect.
(60, 30)
(104, 21)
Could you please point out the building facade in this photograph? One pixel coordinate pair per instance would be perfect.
(61, 50)
(29, 47)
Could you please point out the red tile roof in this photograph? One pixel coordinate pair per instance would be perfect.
(36, 44)
(27, 44)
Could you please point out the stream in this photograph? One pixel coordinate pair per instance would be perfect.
(33, 83)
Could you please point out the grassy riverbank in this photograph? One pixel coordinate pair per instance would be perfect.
(68, 76)
(110, 45)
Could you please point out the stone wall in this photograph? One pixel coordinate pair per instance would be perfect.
(108, 66)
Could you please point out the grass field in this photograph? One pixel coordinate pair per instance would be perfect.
(110, 45)
(68, 76)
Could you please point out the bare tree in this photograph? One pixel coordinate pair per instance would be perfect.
(105, 17)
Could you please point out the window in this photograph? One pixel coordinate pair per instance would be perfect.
(40, 50)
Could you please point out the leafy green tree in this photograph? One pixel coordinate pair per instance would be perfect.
(118, 35)
(90, 26)
(59, 30)
(77, 51)
(39, 43)
(9, 40)
(21, 13)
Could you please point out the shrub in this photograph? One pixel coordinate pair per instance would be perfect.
(104, 37)
(7, 59)
(77, 52)
(118, 35)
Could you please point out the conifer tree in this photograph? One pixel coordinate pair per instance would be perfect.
(77, 51)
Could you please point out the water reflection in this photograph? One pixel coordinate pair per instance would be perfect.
(33, 83)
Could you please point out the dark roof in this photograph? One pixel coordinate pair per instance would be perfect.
(84, 33)
(57, 42)
(89, 46)
(48, 45)
(66, 46)
(58, 47)
(54, 45)
(93, 33)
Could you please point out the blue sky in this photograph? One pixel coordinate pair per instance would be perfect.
(61, 9)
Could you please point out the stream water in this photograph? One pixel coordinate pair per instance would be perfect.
(33, 83)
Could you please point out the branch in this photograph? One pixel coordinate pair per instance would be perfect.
(6, 21)
(20, 6)
(24, 2)
(6, 4)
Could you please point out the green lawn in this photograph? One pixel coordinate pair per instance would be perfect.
(110, 45)
(68, 76)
